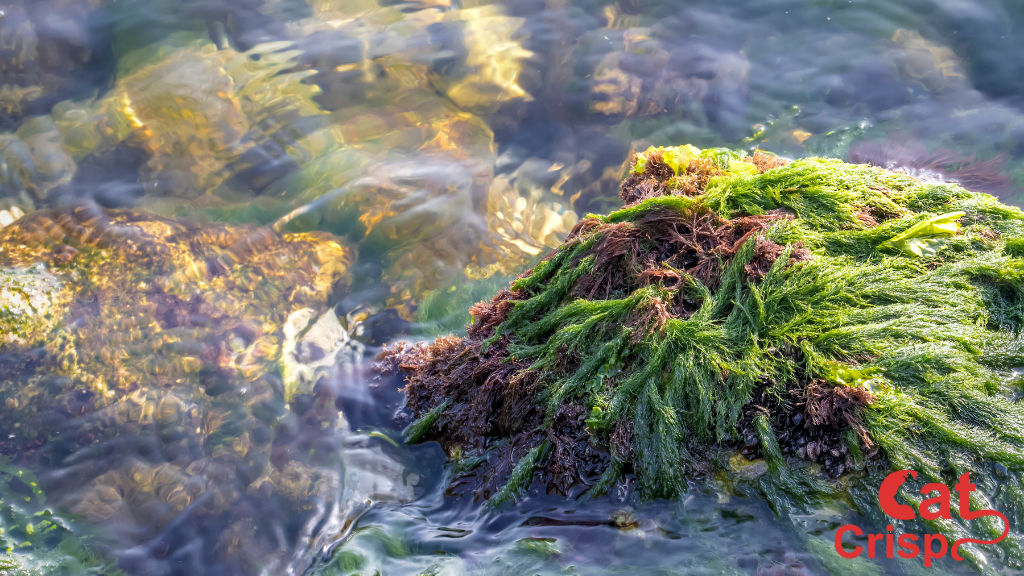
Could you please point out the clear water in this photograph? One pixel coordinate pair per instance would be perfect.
(451, 143)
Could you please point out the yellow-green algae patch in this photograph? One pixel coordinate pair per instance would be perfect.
(780, 314)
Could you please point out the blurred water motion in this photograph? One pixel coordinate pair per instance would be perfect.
(214, 212)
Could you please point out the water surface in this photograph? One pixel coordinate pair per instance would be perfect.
(446, 145)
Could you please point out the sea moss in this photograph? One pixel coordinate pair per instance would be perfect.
(765, 313)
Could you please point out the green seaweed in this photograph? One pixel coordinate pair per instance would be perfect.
(927, 236)
(418, 429)
(521, 476)
(678, 158)
(34, 540)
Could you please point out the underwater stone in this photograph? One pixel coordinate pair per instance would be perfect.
(159, 372)
(50, 50)
(29, 301)
(737, 298)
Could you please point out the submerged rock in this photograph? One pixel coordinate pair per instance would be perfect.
(175, 383)
(50, 50)
(835, 320)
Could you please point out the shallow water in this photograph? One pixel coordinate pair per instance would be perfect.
(446, 145)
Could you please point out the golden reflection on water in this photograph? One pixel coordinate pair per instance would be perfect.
(353, 102)
(198, 110)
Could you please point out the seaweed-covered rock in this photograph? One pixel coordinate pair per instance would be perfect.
(836, 320)
(174, 382)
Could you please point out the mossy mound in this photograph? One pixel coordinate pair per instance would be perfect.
(815, 311)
